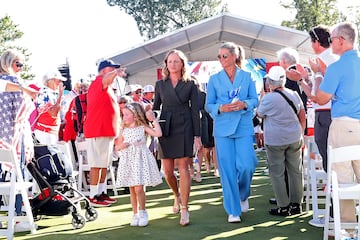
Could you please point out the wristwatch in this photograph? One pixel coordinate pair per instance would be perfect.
(220, 110)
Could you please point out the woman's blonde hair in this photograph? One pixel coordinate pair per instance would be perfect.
(7, 59)
(184, 60)
(240, 60)
(139, 114)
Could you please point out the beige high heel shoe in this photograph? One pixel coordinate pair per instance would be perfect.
(185, 216)
(177, 202)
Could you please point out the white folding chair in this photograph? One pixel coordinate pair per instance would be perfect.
(17, 185)
(84, 168)
(340, 191)
(316, 179)
(306, 166)
(64, 147)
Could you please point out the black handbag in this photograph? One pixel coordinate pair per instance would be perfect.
(164, 121)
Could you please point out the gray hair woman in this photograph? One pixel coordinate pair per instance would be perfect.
(11, 63)
(15, 108)
(283, 128)
(11, 96)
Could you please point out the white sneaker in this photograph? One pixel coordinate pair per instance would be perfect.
(244, 205)
(234, 219)
(23, 227)
(143, 218)
(134, 221)
(320, 222)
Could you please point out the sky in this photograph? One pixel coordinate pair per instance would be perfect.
(82, 31)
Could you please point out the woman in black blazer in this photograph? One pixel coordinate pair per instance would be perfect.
(176, 96)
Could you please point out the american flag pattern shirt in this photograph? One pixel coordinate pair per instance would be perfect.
(15, 109)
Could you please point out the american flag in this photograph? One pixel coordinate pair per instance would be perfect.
(15, 109)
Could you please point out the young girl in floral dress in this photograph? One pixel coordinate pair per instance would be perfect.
(137, 165)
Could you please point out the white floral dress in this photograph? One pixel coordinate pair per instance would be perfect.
(137, 165)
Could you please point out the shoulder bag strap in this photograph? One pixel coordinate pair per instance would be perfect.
(288, 100)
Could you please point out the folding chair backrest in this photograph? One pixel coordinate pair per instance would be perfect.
(343, 154)
(8, 157)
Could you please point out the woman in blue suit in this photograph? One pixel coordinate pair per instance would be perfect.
(231, 99)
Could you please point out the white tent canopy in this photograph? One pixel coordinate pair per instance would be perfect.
(200, 42)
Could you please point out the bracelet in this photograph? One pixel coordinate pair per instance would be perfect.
(299, 81)
(20, 87)
(318, 75)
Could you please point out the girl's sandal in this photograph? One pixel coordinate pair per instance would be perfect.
(185, 216)
(176, 207)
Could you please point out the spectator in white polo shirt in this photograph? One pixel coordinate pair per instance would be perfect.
(48, 105)
(148, 97)
(136, 92)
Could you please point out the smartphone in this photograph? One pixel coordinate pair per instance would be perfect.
(235, 99)
(266, 85)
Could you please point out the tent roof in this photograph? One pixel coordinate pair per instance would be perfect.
(200, 42)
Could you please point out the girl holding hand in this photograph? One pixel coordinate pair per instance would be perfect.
(137, 165)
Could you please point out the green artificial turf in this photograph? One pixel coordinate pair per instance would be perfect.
(208, 218)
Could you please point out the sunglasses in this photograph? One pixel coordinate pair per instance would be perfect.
(19, 65)
(338, 37)
(121, 102)
(315, 35)
(138, 92)
(224, 56)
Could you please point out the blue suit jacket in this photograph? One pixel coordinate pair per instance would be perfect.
(220, 90)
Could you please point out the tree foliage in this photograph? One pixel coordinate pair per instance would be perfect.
(310, 13)
(9, 33)
(156, 17)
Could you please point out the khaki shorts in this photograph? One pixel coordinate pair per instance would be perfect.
(99, 151)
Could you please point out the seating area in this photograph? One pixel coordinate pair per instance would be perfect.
(341, 191)
(312, 219)
(323, 192)
(208, 218)
(9, 190)
(83, 169)
(315, 180)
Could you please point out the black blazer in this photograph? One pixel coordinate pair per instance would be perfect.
(181, 104)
